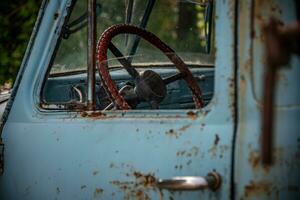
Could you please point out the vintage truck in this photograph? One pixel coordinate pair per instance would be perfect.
(156, 99)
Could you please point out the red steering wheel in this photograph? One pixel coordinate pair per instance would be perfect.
(109, 85)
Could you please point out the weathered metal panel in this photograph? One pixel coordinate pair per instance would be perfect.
(281, 179)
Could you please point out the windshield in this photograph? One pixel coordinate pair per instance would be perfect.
(184, 25)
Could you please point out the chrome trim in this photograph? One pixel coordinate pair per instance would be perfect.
(211, 181)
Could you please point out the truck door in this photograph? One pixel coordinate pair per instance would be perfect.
(57, 150)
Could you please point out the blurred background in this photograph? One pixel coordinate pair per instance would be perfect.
(17, 18)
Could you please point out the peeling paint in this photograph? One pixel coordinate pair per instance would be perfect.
(94, 115)
(217, 139)
(254, 159)
(192, 115)
(260, 188)
(177, 133)
(141, 188)
(98, 192)
(188, 153)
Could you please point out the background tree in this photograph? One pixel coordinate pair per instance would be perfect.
(178, 23)
(17, 19)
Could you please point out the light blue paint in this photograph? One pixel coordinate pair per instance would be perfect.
(282, 179)
(62, 155)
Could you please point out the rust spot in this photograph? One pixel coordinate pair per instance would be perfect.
(189, 153)
(98, 192)
(137, 174)
(82, 187)
(254, 159)
(172, 133)
(140, 195)
(94, 115)
(178, 153)
(177, 133)
(84, 114)
(184, 128)
(140, 188)
(192, 115)
(147, 180)
(95, 173)
(57, 190)
(215, 149)
(119, 183)
(218, 150)
(217, 139)
(255, 189)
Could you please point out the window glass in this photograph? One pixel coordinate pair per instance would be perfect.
(184, 25)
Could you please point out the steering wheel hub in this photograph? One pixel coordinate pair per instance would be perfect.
(150, 87)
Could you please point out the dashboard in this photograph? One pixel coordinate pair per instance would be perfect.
(61, 92)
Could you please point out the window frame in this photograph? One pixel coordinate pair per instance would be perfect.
(81, 108)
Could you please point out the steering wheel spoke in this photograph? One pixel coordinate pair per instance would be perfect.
(126, 64)
(174, 78)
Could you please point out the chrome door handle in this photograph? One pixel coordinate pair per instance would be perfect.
(211, 181)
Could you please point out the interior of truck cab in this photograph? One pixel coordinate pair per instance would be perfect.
(150, 55)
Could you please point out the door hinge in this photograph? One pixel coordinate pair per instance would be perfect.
(1, 156)
(280, 43)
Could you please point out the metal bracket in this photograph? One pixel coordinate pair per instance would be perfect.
(280, 43)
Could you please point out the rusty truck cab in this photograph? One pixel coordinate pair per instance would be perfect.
(156, 99)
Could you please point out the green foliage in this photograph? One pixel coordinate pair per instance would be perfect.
(16, 23)
(180, 24)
